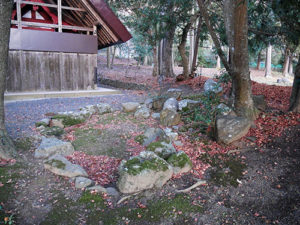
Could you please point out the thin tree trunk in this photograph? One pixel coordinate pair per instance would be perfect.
(7, 149)
(268, 68)
(113, 57)
(258, 60)
(194, 64)
(285, 71)
(218, 65)
(240, 61)
(291, 65)
(191, 50)
(181, 48)
(295, 96)
(204, 14)
(155, 62)
(108, 58)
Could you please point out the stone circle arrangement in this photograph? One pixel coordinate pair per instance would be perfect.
(151, 168)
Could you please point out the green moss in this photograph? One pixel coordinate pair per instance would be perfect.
(68, 120)
(194, 97)
(92, 200)
(226, 170)
(179, 160)
(140, 139)
(23, 144)
(134, 166)
(85, 138)
(64, 211)
(53, 131)
(56, 163)
(38, 124)
(155, 145)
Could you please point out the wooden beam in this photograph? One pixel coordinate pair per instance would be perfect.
(51, 5)
(34, 24)
(59, 15)
(19, 14)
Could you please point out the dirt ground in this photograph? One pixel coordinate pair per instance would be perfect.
(257, 184)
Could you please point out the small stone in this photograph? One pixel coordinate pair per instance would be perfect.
(59, 165)
(169, 118)
(142, 112)
(149, 103)
(57, 123)
(224, 109)
(82, 182)
(212, 86)
(52, 146)
(172, 135)
(155, 116)
(97, 188)
(103, 108)
(112, 192)
(152, 134)
(186, 103)
(130, 106)
(171, 104)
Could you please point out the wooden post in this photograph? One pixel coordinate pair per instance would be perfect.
(19, 14)
(59, 15)
(95, 30)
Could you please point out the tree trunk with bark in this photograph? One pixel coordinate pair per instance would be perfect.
(291, 68)
(268, 64)
(285, 71)
(166, 61)
(7, 148)
(108, 62)
(113, 56)
(243, 103)
(182, 52)
(295, 96)
(258, 61)
(198, 32)
(218, 65)
(155, 61)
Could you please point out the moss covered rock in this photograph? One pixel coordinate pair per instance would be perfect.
(65, 121)
(143, 172)
(53, 131)
(162, 149)
(180, 162)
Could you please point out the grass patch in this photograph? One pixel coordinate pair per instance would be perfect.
(85, 137)
(23, 144)
(68, 121)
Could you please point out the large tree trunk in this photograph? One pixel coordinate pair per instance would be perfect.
(240, 63)
(166, 60)
(155, 62)
(181, 48)
(258, 60)
(196, 47)
(7, 149)
(295, 96)
(285, 71)
(268, 64)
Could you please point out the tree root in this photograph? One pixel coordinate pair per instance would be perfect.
(200, 182)
(126, 197)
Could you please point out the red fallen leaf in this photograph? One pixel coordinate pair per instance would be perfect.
(1, 184)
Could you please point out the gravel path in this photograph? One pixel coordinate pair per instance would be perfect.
(22, 115)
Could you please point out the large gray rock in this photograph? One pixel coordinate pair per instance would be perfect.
(130, 106)
(142, 112)
(89, 109)
(171, 104)
(169, 118)
(162, 149)
(51, 146)
(143, 172)
(186, 103)
(173, 93)
(259, 102)
(103, 108)
(231, 128)
(153, 134)
(59, 165)
(212, 86)
(180, 162)
(82, 182)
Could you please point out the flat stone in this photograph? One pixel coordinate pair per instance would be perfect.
(82, 182)
(51, 146)
(97, 188)
(130, 106)
(59, 165)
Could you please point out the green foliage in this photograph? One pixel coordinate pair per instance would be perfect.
(38, 124)
(68, 120)
(140, 139)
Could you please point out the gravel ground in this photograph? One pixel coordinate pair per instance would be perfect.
(22, 115)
